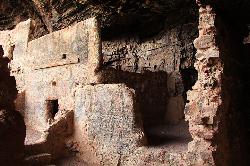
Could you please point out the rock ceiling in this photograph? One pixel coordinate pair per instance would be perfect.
(116, 15)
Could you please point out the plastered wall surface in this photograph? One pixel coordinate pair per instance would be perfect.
(50, 67)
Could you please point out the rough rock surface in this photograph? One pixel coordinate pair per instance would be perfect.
(53, 15)
(159, 68)
(107, 123)
(116, 16)
(205, 98)
(148, 46)
(12, 127)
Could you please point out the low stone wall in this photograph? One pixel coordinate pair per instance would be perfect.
(107, 126)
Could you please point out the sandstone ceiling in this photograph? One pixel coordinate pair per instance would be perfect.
(117, 16)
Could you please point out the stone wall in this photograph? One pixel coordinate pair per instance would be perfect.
(56, 64)
(111, 120)
(50, 67)
(205, 98)
(107, 124)
(14, 43)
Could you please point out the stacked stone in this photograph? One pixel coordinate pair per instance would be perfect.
(12, 127)
(205, 98)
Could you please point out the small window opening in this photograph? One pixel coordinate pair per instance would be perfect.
(52, 108)
(64, 56)
(54, 83)
(10, 52)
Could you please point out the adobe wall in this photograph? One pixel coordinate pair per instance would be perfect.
(107, 124)
(56, 64)
(51, 66)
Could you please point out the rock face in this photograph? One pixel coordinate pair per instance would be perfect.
(153, 67)
(12, 127)
(53, 15)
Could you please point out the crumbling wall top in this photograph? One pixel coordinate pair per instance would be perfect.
(71, 45)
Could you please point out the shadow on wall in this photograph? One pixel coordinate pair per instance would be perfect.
(151, 92)
(233, 135)
(189, 78)
(152, 97)
(12, 127)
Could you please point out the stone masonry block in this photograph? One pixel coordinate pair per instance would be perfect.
(106, 115)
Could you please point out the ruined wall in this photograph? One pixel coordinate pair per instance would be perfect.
(14, 43)
(50, 67)
(206, 109)
(159, 69)
(106, 123)
(56, 64)
(206, 96)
